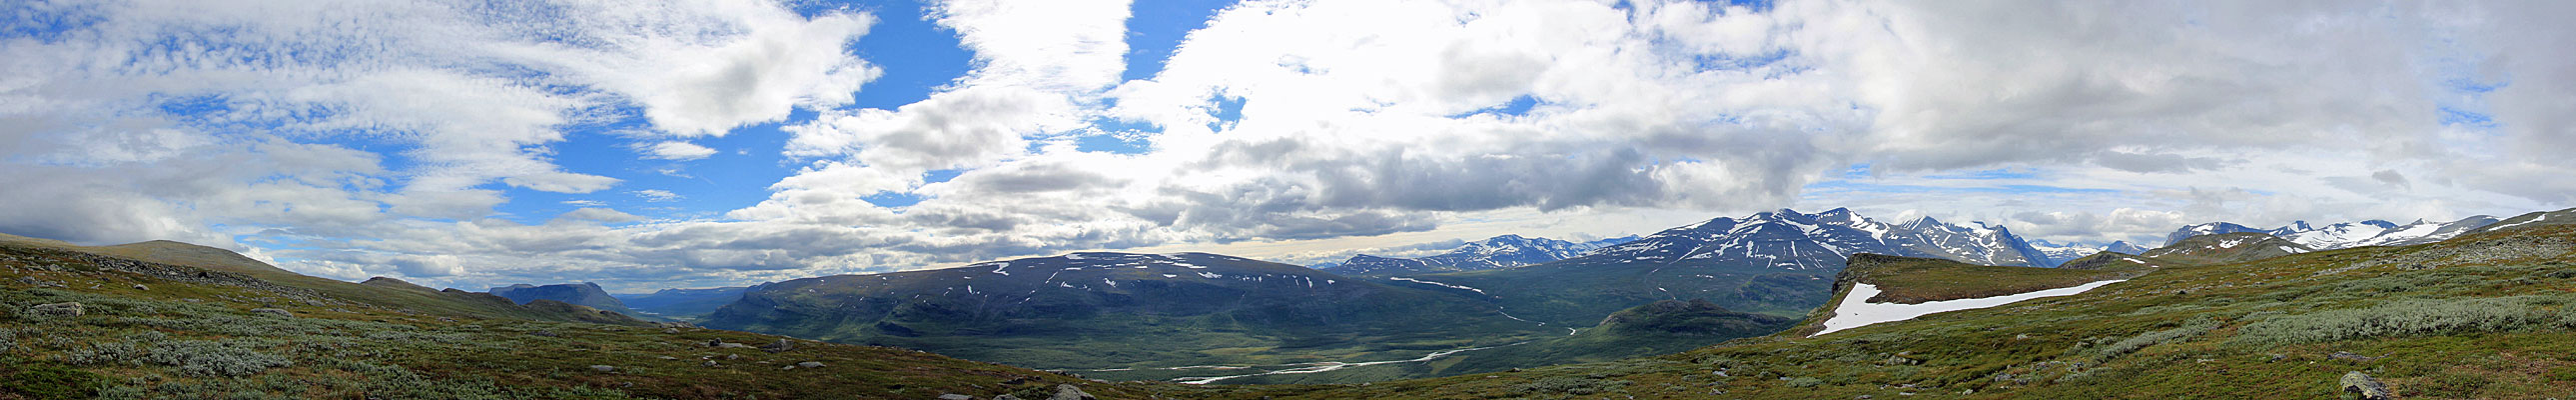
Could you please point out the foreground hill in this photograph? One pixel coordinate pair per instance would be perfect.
(2484, 315)
(381, 292)
(1120, 315)
(81, 325)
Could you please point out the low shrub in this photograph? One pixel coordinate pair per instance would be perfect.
(207, 358)
(103, 353)
(2196, 327)
(2404, 318)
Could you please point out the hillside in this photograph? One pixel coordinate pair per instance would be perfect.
(2484, 315)
(1120, 316)
(83, 325)
(382, 292)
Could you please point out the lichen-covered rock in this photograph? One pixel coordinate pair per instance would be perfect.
(954, 396)
(809, 364)
(603, 368)
(2361, 384)
(1066, 391)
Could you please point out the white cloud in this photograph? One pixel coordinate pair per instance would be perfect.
(676, 151)
(657, 195)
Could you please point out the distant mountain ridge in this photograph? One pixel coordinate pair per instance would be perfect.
(2346, 234)
(676, 303)
(1498, 252)
(1785, 239)
(585, 294)
(2060, 254)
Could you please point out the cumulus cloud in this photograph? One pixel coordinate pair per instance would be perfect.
(676, 151)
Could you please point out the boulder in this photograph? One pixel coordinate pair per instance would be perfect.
(780, 346)
(671, 330)
(709, 363)
(139, 286)
(603, 368)
(954, 396)
(1067, 391)
(273, 311)
(56, 310)
(2361, 384)
(810, 364)
(1006, 397)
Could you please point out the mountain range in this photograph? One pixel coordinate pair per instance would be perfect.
(2346, 234)
(1498, 252)
(2277, 316)
(585, 294)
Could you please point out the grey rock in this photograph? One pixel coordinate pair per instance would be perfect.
(603, 368)
(733, 356)
(671, 330)
(1006, 397)
(709, 363)
(273, 311)
(733, 346)
(2361, 384)
(1067, 391)
(954, 396)
(139, 286)
(668, 358)
(810, 364)
(781, 345)
(56, 309)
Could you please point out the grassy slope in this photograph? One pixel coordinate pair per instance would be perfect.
(182, 337)
(2488, 317)
(450, 303)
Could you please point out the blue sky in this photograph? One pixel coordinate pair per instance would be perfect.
(739, 141)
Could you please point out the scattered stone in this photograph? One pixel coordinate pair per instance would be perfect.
(788, 367)
(2359, 383)
(810, 364)
(603, 368)
(669, 358)
(954, 396)
(139, 286)
(734, 346)
(671, 330)
(57, 309)
(273, 311)
(2277, 358)
(781, 345)
(2350, 356)
(1066, 391)
(1005, 397)
(709, 363)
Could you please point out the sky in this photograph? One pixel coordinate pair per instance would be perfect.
(700, 143)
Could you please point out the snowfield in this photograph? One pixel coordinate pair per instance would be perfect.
(1856, 311)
